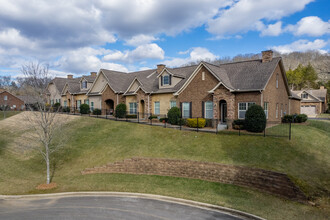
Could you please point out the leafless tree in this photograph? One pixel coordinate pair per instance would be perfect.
(43, 119)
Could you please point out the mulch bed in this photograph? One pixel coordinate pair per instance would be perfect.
(46, 186)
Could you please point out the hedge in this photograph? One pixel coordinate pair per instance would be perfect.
(255, 119)
(131, 116)
(163, 119)
(238, 124)
(84, 109)
(97, 111)
(120, 111)
(192, 122)
(294, 118)
(174, 115)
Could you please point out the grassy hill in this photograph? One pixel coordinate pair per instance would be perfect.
(95, 142)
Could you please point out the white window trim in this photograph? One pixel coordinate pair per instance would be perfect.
(203, 75)
(266, 110)
(133, 111)
(246, 106)
(276, 110)
(171, 104)
(157, 108)
(183, 109)
(208, 109)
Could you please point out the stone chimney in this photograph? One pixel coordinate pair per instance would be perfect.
(321, 87)
(93, 74)
(70, 76)
(267, 56)
(160, 68)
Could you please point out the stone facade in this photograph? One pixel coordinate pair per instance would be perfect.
(222, 93)
(109, 94)
(12, 101)
(264, 180)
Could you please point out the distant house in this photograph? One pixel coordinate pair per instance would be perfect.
(313, 101)
(11, 101)
(223, 92)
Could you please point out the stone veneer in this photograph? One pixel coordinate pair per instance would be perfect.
(264, 180)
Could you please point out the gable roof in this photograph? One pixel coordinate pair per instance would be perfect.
(317, 94)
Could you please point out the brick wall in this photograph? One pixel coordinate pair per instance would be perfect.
(267, 181)
(108, 93)
(294, 106)
(11, 101)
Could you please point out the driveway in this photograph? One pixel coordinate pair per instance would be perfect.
(103, 207)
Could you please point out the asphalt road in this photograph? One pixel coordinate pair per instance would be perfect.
(103, 207)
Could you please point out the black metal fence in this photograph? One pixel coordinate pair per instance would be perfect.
(197, 124)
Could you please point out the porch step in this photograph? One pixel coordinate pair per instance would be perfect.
(222, 127)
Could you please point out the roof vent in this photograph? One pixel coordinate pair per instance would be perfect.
(267, 56)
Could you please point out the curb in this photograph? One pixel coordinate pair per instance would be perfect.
(201, 205)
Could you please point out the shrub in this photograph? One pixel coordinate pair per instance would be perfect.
(208, 123)
(174, 115)
(131, 116)
(301, 118)
(97, 111)
(163, 119)
(56, 105)
(288, 118)
(152, 117)
(84, 109)
(238, 124)
(192, 122)
(66, 109)
(255, 119)
(120, 111)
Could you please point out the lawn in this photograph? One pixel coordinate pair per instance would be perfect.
(8, 114)
(95, 142)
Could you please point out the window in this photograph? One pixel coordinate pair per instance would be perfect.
(276, 110)
(5, 98)
(132, 108)
(56, 101)
(86, 101)
(22, 107)
(266, 109)
(281, 110)
(277, 81)
(186, 110)
(166, 80)
(209, 109)
(14, 106)
(84, 84)
(52, 102)
(243, 107)
(78, 104)
(203, 75)
(157, 108)
(172, 104)
(304, 95)
(65, 103)
(92, 106)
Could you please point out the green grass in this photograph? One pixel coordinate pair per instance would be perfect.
(95, 142)
(325, 115)
(8, 114)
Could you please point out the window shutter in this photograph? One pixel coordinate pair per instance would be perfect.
(190, 113)
(161, 80)
(170, 79)
(181, 108)
(203, 109)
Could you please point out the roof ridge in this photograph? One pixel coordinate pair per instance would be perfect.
(243, 61)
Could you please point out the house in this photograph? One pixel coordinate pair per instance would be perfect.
(222, 92)
(313, 101)
(10, 100)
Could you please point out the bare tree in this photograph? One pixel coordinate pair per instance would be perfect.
(43, 119)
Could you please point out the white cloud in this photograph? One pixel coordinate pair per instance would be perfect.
(196, 54)
(142, 52)
(302, 46)
(140, 40)
(244, 15)
(310, 26)
(272, 29)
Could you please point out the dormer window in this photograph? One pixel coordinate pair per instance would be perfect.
(304, 95)
(84, 84)
(166, 80)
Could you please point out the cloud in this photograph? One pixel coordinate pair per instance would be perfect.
(142, 52)
(140, 40)
(196, 54)
(272, 29)
(302, 46)
(310, 26)
(245, 15)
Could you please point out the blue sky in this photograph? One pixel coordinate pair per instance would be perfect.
(130, 35)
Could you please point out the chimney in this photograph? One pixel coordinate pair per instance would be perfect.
(70, 76)
(93, 74)
(321, 87)
(267, 56)
(160, 68)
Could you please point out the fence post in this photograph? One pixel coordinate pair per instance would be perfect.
(216, 126)
(138, 117)
(180, 122)
(290, 131)
(150, 118)
(265, 130)
(197, 124)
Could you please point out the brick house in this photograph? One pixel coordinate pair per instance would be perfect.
(313, 101)
(205, 90)
(10, 100)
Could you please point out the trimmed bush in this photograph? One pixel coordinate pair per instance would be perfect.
(57, 105)
(238, 124)
(288, 119)
(120, 111)
(97, 111)
(174, 115)
(84, 109)
(294, 118)
(163, 119)
(192, 122)
(301, 118)
(152, 117)
(208, 123)
(255, 119)
(66, 109)
(131, 116)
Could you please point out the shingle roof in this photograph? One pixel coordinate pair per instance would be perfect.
(321, 94)
(238, 76)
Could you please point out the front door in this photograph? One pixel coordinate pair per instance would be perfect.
(223, 112)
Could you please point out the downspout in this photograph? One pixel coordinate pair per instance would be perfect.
(117, 98)
(148, 104)
(261, 99)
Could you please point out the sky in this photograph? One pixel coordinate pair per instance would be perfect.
(81, 36)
